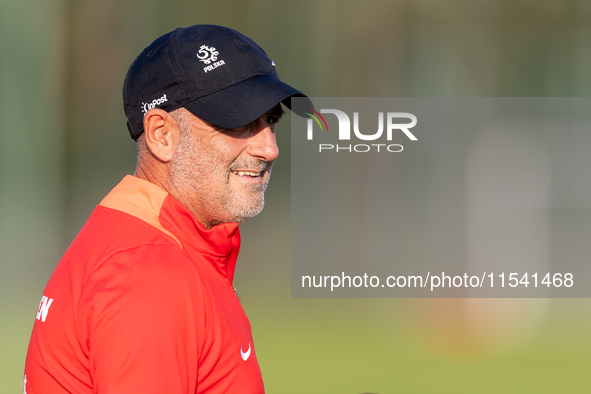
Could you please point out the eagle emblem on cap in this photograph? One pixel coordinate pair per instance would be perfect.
(208, 54)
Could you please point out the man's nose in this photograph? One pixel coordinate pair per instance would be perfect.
(264, 143)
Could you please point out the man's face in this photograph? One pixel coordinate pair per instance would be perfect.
(221, 174)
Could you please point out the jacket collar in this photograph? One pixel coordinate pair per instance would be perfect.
(153, 205)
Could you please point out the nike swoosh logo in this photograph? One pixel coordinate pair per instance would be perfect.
(243, 354)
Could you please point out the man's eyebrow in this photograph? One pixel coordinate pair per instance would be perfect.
(277, 111)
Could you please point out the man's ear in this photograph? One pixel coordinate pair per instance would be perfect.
(162, 134)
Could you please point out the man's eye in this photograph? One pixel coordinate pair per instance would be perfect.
(272, 119)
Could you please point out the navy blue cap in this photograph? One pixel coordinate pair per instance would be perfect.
(218, 74)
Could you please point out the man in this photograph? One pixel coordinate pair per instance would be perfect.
(143, 301)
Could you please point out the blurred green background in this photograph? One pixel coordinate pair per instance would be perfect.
(64, 145)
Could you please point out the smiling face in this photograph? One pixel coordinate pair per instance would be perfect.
(221, 175)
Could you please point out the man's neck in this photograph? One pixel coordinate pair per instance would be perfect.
(160, 177)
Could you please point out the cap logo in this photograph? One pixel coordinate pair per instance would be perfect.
(148, 106)
(208, 54)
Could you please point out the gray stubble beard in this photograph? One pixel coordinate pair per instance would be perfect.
(242, 214)
(185, 169)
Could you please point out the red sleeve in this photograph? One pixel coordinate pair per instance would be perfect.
(141, 317)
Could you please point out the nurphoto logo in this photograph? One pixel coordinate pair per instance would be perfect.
(344, 133)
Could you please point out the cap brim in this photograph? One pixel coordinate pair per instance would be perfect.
(246, 101)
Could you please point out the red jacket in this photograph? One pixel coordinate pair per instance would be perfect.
(143, 302)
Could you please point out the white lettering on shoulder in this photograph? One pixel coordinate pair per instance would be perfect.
(43, 308)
